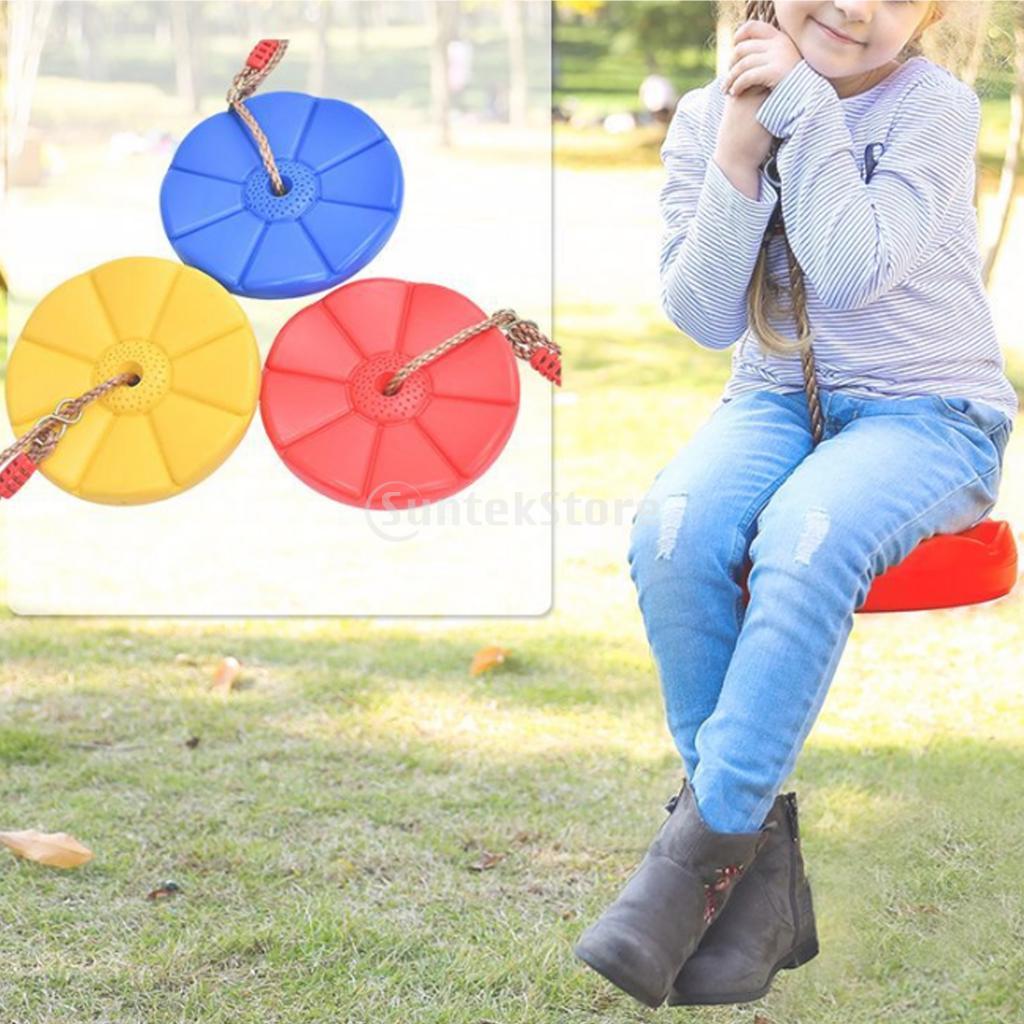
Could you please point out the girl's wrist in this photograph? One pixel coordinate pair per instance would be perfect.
(735, 159)
(742, 171)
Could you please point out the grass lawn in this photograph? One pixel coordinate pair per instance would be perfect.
(329, 829)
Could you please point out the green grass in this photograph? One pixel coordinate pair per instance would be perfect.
(324, 830)
(26, 746)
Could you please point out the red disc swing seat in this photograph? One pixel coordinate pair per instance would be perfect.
(947, 570)
(943, 571)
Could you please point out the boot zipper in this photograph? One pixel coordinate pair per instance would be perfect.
(791, 814)
(793, 853)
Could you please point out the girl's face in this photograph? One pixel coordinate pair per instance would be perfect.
(866, 34)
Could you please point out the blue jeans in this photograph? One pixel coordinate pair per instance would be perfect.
(743, 685)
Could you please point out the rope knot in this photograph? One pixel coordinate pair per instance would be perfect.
(530, 343)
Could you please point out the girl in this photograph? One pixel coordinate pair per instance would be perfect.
(832, 165)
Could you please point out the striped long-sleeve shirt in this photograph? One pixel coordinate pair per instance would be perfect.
(891, 266)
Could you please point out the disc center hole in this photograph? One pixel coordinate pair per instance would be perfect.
(130, 366)
(285, 180)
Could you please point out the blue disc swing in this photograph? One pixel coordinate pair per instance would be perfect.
(284, 194)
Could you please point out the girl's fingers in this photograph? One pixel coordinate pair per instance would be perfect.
(754, 29)
(746, 64)
(747, 47)
(749, 79)
(736, 68)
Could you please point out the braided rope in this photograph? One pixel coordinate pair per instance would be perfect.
(265, 56)
(49, 429)
(764, 10)
(525, 337)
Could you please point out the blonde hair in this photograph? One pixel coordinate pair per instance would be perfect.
(948, 42)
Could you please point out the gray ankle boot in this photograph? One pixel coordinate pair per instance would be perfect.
(768, 924)
(684, 880)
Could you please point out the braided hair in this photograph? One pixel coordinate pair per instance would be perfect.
(765, 296)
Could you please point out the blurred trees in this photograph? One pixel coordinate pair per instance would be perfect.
(1011, 158)
(651, 28)
(988, 56)
(24, 32)
(480, 47)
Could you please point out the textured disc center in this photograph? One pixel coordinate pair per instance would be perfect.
(149, 361)
(367, 383)
(300, 191)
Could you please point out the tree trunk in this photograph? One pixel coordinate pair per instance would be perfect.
(969, 74)
(359, 12)
(444, 13)
(977, 54)
(25, 27)
(317, 80)
(518, 89)
(74, 36)
(1008, 179)
(184, 57)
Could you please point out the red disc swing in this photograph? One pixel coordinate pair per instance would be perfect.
(943, 571)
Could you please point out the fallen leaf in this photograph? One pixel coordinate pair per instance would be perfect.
(163, 891)
(226, 674)
(57, 849)
(486, 658)
(487, 860)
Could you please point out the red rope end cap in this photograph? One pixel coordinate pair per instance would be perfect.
(15, 474)
(546, 362)
(261, 53)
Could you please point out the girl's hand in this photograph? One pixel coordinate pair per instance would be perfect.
(762, 56)
(742, 140)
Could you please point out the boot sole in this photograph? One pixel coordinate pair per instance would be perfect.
(804, 952)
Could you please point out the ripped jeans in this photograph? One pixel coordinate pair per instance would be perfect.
(742, 686)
